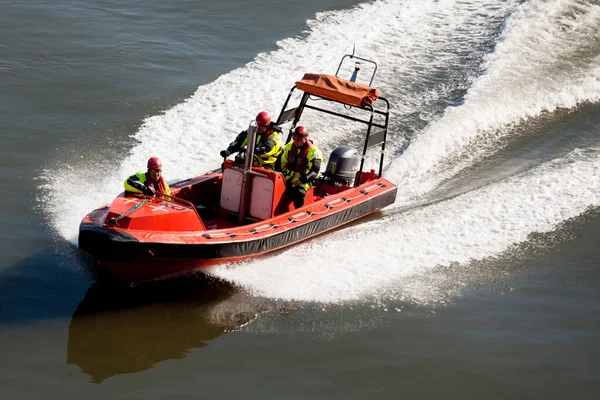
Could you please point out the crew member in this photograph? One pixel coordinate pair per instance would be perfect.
(150, 183)
(269, 142)
(300, 164)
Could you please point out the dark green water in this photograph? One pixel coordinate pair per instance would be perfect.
(429, 312)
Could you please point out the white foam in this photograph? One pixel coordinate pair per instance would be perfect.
(367, 259)
(402, 36)
(540, 64)
(414, 42)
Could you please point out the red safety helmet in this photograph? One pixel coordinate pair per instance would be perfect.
(301, 131)
(154, 163)
(263, 118)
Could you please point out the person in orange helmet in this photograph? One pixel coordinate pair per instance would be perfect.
(269, 142)
(150, 183)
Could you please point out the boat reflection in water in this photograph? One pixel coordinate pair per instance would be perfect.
(118, 329)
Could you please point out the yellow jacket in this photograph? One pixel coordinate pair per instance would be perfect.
(311, 169)
(136, 182)
(266, 153)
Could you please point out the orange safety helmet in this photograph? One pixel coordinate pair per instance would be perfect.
(154, 163)
(301, 131)
(263, 118)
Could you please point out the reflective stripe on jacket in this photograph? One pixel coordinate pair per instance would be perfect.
(314, 159)
(273, 144)
(141, 177)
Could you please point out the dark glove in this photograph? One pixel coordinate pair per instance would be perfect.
(224, 153)
(310, 177)
(148, 191)
(260, 150)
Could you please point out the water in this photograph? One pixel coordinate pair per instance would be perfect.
(481, 280)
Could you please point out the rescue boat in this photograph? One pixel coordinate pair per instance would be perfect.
(241, 211)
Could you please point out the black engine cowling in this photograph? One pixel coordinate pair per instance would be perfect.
(343, 165)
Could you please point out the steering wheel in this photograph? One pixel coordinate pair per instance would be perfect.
(241, 159)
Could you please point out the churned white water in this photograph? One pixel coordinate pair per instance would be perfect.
(527, 72)
(366, 260)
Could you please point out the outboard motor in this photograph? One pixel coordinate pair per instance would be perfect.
(342, 165)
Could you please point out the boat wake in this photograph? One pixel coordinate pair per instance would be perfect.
(463, 78)
(382, 254)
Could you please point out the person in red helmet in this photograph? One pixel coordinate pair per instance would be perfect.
(150, 183)
(300, 164)
(269, 142)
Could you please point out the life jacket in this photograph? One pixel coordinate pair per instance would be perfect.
(263, 138)
(269, 158)
(158, 186)
(297, 159)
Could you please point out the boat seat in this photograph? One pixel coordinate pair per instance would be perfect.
(265, 194)
(266, 188)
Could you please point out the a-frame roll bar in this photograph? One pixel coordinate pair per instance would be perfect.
(372, 139)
